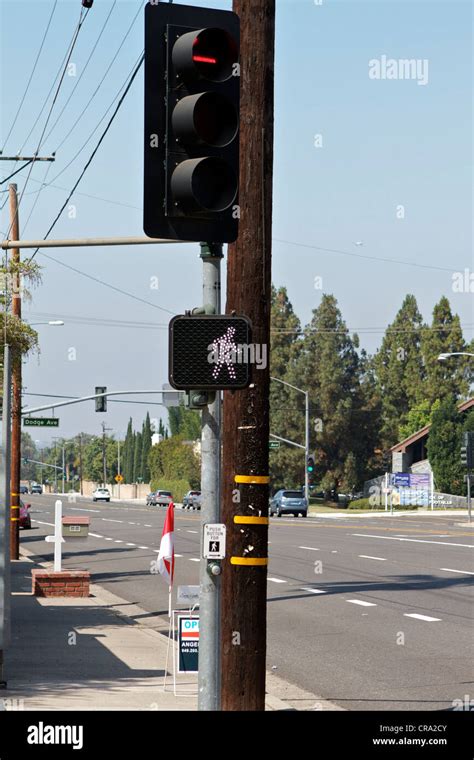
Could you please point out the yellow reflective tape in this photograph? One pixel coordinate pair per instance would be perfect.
(257, 479)
(14, 506)
(13, 519)
(14, 494)
(249, 560)
(251, 520)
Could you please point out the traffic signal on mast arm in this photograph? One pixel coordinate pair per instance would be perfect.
(192, 102)
(101, 402)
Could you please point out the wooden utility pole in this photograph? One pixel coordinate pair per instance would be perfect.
(245, 480)
(16, 385)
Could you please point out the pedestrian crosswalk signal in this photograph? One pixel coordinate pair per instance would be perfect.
(210, 352)
(192, 100)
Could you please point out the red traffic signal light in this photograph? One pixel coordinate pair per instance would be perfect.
(192, 99)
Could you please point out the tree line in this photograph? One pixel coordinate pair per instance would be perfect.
(360, 404)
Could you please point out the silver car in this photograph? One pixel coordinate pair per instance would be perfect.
(288, 503)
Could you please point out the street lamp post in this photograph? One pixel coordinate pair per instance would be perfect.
(306, 433)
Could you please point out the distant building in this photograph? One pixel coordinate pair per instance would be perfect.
(410, 455)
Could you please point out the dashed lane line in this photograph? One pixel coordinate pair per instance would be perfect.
(361, 602)
(367, 556)
(309, 548)
(191, 531)
(313, 590)
(276, 580)
(426, 618)
(450, 570)
(414, 540)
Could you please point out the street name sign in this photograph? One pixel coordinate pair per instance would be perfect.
(214, 541)
(188, 595)
(273, 444)
(41, 421)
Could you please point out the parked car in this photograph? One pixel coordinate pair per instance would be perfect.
(149, 498)
(188, 498)
(36, 488)
(23, 489)
(101, 494)
(289, 503)
(196, 501)
(162, 498)
(25, 518)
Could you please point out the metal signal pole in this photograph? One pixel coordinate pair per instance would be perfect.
(245, 478)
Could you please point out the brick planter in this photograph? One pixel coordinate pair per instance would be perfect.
(65, 583)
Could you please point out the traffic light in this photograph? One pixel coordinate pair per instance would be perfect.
(209, 353)
(192, 102)
(467, 450)
(101, 403)
(310, 465)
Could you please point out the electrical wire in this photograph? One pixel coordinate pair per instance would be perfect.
(99, 85)
(362, 255)
(83, 70)
(2, 181)
(91, 134)
(37, 198)
(82, 18)
(31, 76)
(91, 158)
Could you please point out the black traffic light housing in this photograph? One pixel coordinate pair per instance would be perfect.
(192, 100)
(101, 403)
(467, 450)
(310, 465)
(208, 353)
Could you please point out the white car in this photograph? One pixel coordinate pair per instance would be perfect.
(101, 494)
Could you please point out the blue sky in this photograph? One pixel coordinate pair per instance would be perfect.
(385, 144)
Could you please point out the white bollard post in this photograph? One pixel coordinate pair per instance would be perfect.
(57, 539)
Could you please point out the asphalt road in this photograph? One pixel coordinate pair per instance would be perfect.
(372, 613)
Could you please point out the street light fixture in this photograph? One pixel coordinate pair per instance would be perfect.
(443, 357)
(52, 322)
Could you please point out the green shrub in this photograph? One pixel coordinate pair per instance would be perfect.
(365, 504)
(177, 487)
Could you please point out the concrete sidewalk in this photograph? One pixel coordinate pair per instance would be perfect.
(101, 653)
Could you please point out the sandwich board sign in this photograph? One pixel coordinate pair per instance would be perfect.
(188, 643)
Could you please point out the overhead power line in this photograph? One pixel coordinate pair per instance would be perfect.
(84, 68)
(31, 77)
(91, 158)
(364, 256)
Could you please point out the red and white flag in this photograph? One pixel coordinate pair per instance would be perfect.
(166, 553)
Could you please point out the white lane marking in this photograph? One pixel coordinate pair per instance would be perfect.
(130, 523)
(309, 548)
(108, 539)
(450, 570)
(414, 540)
(366, 556)
(40, 522)
(191, 531)
(130, 544)
(192, 559)
(313, 590)
(361, 602)
(148, 526)
(118, 541)
(96, 535)
(82, 509)
(334, 551)
(422, 617)
(109, 519)
(276, 580)
(176, 555)
(144, 547)
(157, 551)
